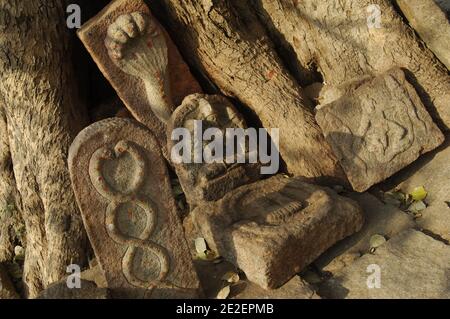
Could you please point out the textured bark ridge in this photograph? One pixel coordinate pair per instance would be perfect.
(42, 115)
(431, 22)
(274, 228)
(141, 62)
(12, 230)
(343, 40)
(226, 42)
(123, 190)
(376, 127)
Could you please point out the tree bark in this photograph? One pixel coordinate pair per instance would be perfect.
(226, 42)
(11, 223)
(335, 36)
(43, 114)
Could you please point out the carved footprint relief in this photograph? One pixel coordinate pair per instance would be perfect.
(118, 175)
(137, 46)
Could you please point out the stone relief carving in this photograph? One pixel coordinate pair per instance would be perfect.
(120, 186)
(267, 227)
(376, 126)
(137, 46)
(209, 181)
(123, 189)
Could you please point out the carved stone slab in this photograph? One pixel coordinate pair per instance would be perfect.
(123, 191)
(376, 127)
(272, 229)
(202, 181)
(143, 65)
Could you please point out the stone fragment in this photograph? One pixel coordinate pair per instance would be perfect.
(123, 190)
(385, 220)
(87, 290)
(208, 181)
(377, 127)
(410, 265)
(7, 290)
(429, 18)
(141, 62)
(273, 228)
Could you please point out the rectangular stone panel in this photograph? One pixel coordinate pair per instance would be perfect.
(376, 127)
(139, 59)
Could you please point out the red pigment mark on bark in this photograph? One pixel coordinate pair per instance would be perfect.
(271, 74)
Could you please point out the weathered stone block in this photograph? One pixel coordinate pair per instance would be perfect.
(410, 265)
(376, 127)
(205, 181)
(123, 191)
(273, 228)
(141, 62)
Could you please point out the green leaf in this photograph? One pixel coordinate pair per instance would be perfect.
(419, 193)
(376, 241)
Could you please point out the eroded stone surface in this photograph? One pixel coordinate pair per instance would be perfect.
(272, 229)
(203, 181)
(123, 191)
(432, 172)
(376, 127)
(412, 265)
(143, 65)
(429, 18)
(87, 290)
(211, 276)
(381, 219)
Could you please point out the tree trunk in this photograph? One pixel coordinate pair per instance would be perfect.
(11, 223)
(42, 114)
(345, 43)
(225, 40)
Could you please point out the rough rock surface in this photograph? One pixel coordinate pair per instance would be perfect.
(431, 22)
(380, 219)
(412, 265)
(123, 190)
(433, 172)
(211, 276)
(273, 228)
(128, 62)
(376, 127)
